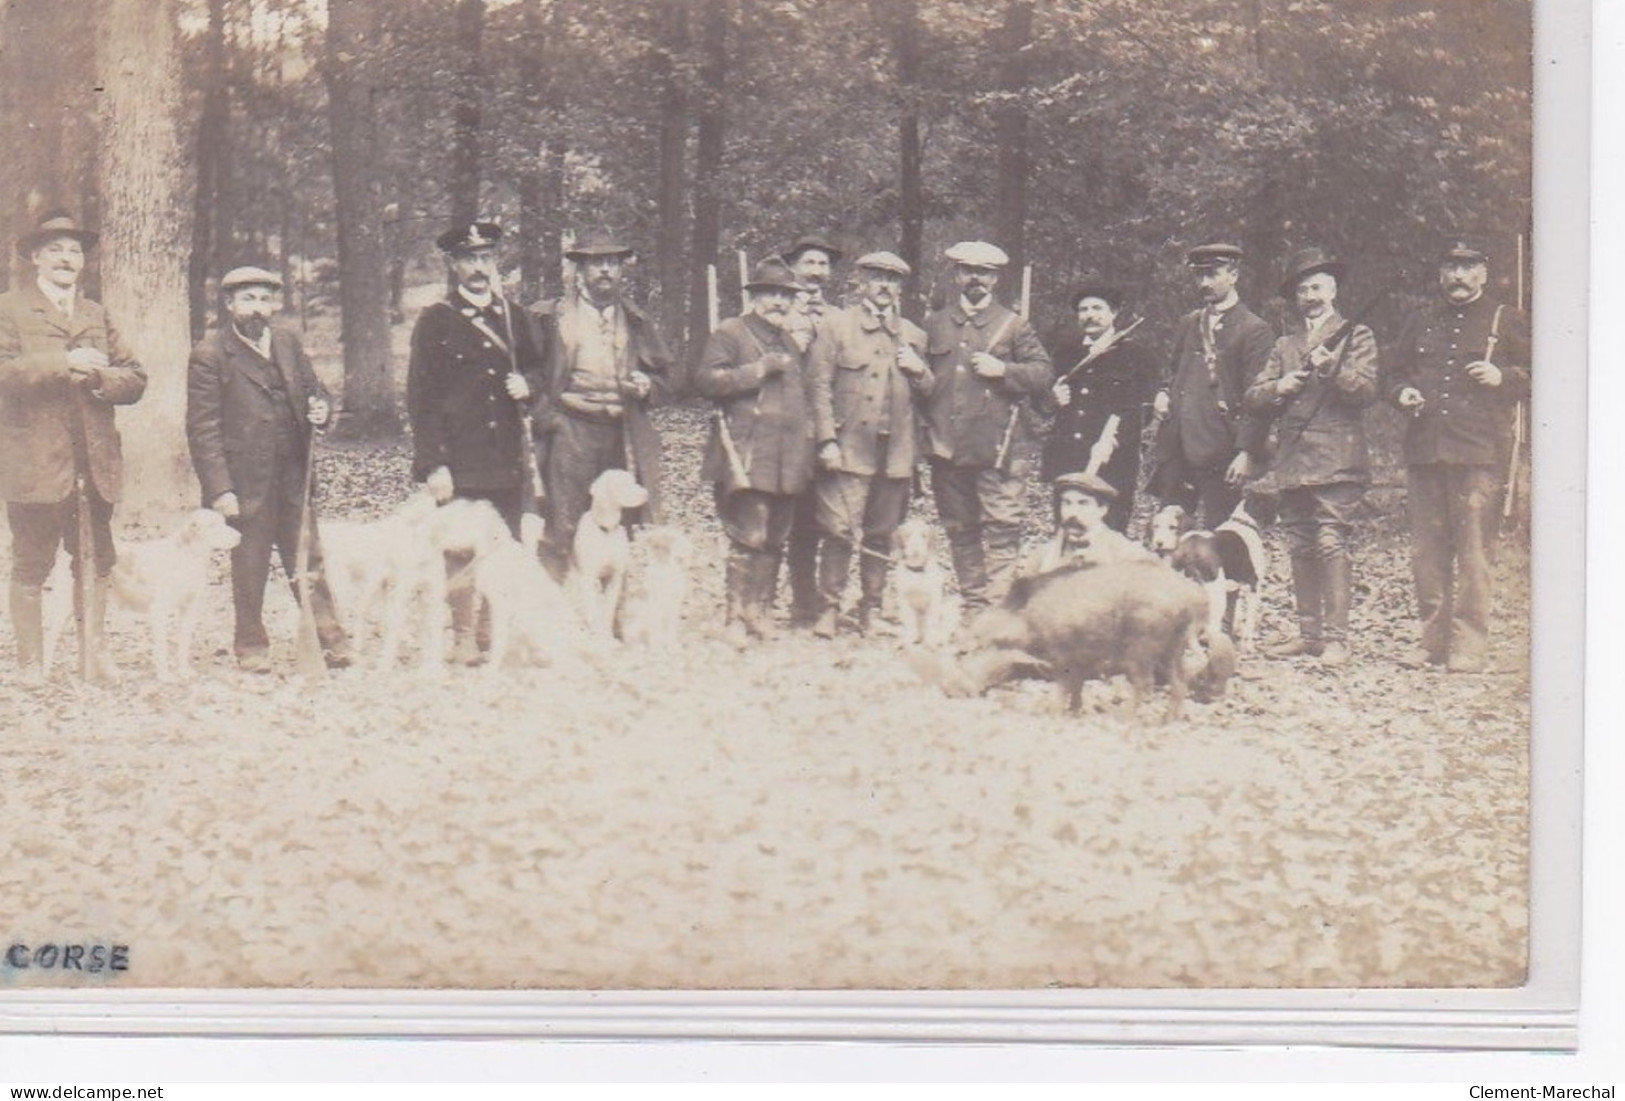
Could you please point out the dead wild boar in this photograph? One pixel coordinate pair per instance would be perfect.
(1078, 623)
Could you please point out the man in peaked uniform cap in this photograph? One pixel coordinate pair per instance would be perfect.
(252, 400)
(63, 369)
(604, 365)
(474, 364)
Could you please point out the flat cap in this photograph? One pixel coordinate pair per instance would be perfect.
(597, 241)
(1092, 484)
(1306, 262)
(977, 254)
(56, 224)
(885, 261)
(469, 236)
(810, 241)
(1213, 254)
(250, 277)
(773, 274)
(1464, 250)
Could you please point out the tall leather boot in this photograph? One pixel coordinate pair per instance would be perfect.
(970, 567)
(1337, 589)
(872, 573)
(27, 623)
(1306, 593)
(834, 563)
(801, 558)
(1002, 554)
(736, 582)
(758, 607)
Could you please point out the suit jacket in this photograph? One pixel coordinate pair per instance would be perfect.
(769, 419)
(1120, 382)
(859, 392)
(1321, 429)
(237, 403)
(1207, 423)
(457, 398)
(967, 417)
(41, 411)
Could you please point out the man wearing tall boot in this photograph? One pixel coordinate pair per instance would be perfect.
(63, 368)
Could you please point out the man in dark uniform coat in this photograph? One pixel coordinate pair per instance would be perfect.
(1458, 368)
(985, 364)
(63, 368)
(475, 363)
(604, 366)
(760, 455)
(252, 401)
(1100, 374)
(1209, 446)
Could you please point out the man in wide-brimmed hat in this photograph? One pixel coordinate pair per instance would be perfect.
(252, 401)
(760, 455)
(1209, 445)
(1316, 385)
(1459, 367)
(63, 368)
(474, 367)
(605, 366)
(868, 372)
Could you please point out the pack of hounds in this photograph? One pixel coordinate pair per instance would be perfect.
(1178, 622)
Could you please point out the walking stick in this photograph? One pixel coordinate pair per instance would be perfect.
(308, 657)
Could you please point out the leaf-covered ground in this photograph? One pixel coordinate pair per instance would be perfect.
(805, 814)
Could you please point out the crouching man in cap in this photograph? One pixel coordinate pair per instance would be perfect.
(1083, 534)
(1459, 366)
(1317, 389)
(1209, 445)
(475, 364)
(252, 401)
(985, 363)
(63, 368)
(868, 366)
(760, 455)
(604, 365)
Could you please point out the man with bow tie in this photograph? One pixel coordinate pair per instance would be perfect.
(474, 365)
(252, 400)
(63, 369)
(1209, 445)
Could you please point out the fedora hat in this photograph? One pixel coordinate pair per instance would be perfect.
(1306, 262)
(812, 241)
(56, 224)
(1097, 287)
(597, 241)
(773, 274)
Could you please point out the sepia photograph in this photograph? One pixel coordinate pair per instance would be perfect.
(768, 495)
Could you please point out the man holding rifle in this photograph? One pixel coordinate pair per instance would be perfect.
(62, 370)
(985, 363)
(1318, 381)
(1459, 367)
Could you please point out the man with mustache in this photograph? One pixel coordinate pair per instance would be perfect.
(985, 364)
(605, 364)
(474, 365)
(760, 455)
(1459, 366)
(63, 368)
(868, 367)
(1083, 535)
(1318, 395)
(812, 260)
(1209, 445)
(252, 400)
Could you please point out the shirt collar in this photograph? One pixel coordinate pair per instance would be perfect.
(56, 296)
(262, 345)
(481, 302)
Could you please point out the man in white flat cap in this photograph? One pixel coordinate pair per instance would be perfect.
(252, 401)
(985, 364)
(868, 370)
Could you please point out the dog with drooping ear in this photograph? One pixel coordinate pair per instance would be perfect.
(602, 551)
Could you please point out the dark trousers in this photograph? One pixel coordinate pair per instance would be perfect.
(1203, 492)
(275, 526)
(1318, 521)
(801, 557)
(980, 509)
(859, 510)
(1454, 517)
(756, 521)
(38, 529)
(578, 450)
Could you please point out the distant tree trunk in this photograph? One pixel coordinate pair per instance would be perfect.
(708, 167)
(369, 391)
(1010, 217)
(213, 136)
(464, 188)
(671, 203)
(905, 36)
(540, 183)
(145, 234)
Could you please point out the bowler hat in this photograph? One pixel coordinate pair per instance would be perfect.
(1214, 254)
(468, 236)
(773, 274)
(884, 261)
(250, 277)
(977, 254)
(56, 224)
(597, 241)
(1306, 262)
(1464, 250)
(1092, 484)
(1096, 287)
(812, 241)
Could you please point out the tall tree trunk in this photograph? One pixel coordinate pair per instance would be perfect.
(213, 134)
(671, 203)
(1011, 216)
(905, 36)
(369, 390)
(464, 188)
(708, 168)
(145, 234)
(540, 183)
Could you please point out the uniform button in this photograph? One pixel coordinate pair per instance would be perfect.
(485, 344)
(1077, 435)
(493, 424)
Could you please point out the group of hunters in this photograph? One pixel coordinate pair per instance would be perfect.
(824, 411)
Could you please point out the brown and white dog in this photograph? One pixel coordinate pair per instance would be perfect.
(602, 552)
(1228, 561)
(927, 611)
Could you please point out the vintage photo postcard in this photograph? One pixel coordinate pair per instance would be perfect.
(1028, 499)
